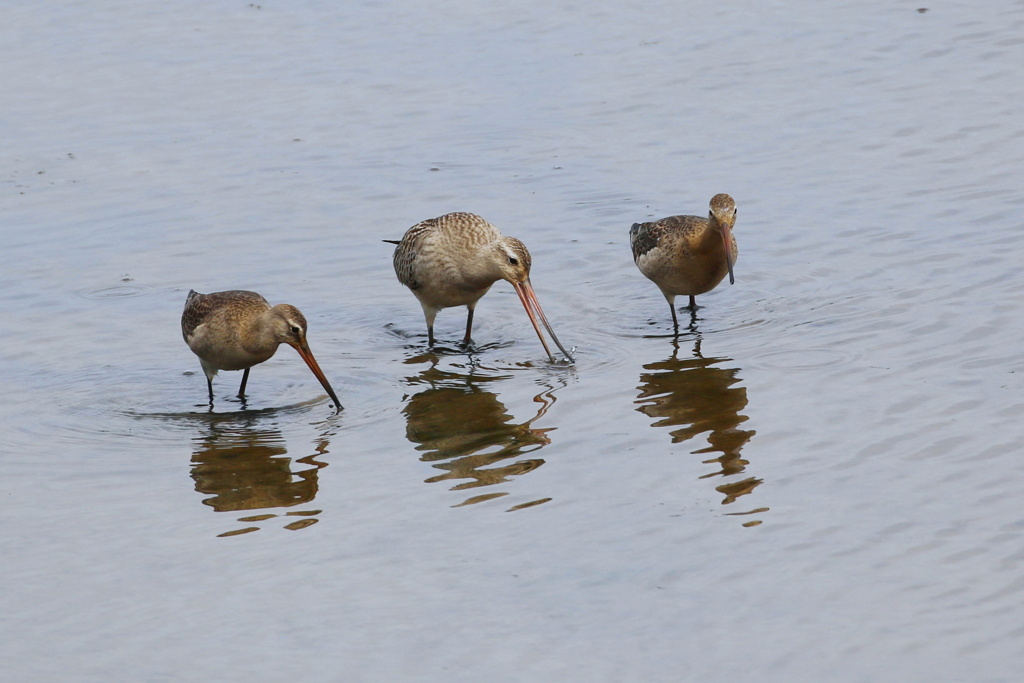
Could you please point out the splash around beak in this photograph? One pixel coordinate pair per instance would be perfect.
(525, 291)
(727, 238)
(307, 355)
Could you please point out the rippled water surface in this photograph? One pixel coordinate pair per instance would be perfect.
(818, 478)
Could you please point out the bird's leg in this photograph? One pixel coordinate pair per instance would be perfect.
(466, 341)
(693, 303)
(245, 378)
(429, 314)
(209, 387)
(675, 320)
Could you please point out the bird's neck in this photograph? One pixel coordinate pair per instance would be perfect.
(709, 239)
(482, 271)
(259, 338)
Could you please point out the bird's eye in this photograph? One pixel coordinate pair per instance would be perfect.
(296, 329)
(513, 260)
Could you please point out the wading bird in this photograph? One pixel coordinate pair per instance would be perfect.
(687, 255)
(236, 330)
(454, 259)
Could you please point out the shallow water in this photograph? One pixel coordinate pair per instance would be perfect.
(817, 479)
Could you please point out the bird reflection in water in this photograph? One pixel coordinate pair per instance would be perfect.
(697, 396)
(243, 466)
(468, 434)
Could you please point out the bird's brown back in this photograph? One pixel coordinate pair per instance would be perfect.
(199, 307)
(643, 237)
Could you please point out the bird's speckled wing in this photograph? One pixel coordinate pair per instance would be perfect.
(644, 237)
(198, 307)
(407, 249)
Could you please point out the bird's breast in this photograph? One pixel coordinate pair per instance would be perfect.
(226, 351)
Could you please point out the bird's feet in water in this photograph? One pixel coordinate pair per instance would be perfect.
(692, 326)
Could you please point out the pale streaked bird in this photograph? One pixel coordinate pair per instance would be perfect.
(454, 259)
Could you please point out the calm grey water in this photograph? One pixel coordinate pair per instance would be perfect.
(819, 479)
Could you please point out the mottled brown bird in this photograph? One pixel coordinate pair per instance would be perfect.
(236, 330)
(687, 255)
(454, 259)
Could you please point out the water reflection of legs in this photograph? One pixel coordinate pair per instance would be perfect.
(241, 465)
(698, 397)
(689, 330)
(462, 427)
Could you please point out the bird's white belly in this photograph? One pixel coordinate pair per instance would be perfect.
(446, 284)
(216, 354)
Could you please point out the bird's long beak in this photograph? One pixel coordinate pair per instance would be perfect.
(727, 237)
(307, 355)
(525, 291)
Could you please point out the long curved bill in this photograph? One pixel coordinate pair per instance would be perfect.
(307, 356)
(525, 291)
(727, 236)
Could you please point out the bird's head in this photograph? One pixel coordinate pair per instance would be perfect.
(722, 216)
(513, 260)
(288, 325)
(723, 212)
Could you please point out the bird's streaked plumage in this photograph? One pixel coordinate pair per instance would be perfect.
(454, 259)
